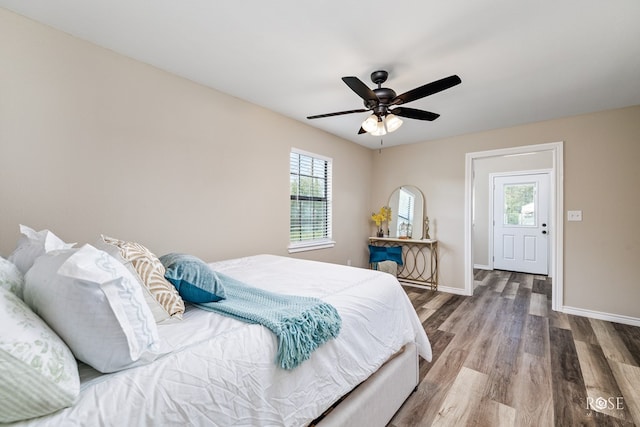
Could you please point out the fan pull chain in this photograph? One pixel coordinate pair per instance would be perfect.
(380, 149)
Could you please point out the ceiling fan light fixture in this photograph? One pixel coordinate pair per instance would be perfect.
(392, 122)
(380, 129)
(371, 123)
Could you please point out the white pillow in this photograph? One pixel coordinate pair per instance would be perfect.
(39, 373)
(32, 244)
(95, 305)
(10, 277)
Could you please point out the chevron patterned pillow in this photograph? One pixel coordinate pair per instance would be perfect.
(151, 272)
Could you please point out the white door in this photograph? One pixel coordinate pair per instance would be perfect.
(521, 223)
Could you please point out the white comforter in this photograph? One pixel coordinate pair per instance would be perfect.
(221, 372)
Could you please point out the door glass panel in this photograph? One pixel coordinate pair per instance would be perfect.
(519, 204)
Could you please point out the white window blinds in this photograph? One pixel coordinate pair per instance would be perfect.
(310, 188)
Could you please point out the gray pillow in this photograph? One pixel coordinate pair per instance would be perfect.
(195, 281)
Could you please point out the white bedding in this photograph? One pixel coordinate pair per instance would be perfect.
(221, 372)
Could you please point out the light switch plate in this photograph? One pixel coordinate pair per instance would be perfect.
(574, 215)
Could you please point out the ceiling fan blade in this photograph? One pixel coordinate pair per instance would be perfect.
(339, 113)
(362, 90)
(412, 113)
(426, 90)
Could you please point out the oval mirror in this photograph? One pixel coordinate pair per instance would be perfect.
(407, 212)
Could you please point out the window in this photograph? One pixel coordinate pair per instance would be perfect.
(310, 188)
(519, 204)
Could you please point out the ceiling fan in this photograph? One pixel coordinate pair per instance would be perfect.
(380, 100)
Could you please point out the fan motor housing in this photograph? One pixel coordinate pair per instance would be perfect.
(385, 95)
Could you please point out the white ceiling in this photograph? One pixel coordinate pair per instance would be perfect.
(519, 61)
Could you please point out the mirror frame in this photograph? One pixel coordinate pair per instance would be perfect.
(424, 219)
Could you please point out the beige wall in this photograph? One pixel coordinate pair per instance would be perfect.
(601, 178)
(93, 142)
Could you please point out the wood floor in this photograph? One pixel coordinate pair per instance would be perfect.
(503, 357)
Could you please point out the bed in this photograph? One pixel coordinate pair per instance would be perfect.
(219, 371)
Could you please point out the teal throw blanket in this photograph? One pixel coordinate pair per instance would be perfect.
(301, 324)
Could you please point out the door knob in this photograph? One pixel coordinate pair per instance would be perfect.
(544, 224)
(544, 231)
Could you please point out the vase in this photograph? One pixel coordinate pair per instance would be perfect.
(380, 232)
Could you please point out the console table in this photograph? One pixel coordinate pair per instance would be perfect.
(419, 257)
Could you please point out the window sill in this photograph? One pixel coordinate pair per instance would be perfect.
(310, 246)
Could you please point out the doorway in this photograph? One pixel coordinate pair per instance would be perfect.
(520, 222)
(555, 257)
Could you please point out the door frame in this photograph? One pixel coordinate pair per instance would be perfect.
(492, 176)
(556, 213)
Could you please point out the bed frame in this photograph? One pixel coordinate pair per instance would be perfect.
(375, 401)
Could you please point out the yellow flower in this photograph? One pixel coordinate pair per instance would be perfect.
(384, 214)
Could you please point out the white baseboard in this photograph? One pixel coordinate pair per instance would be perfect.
(617, 318)
(481, 267)
(450, 290)
(447, 289)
